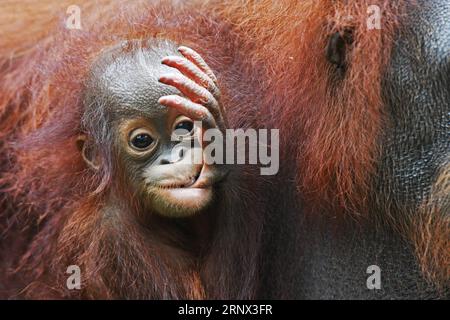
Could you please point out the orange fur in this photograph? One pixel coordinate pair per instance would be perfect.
(330, 125)
(337, 121)
(430, 231)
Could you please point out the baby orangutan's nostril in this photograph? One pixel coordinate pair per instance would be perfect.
(164, 161)
(181, 153)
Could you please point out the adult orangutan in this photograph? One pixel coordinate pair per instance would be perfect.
(364, 113)
(364, 120)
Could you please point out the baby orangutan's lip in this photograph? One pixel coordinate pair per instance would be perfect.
(173, 184)
(188, 197)
(204, 179)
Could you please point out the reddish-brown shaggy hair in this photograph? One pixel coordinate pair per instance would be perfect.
(332, 123)
(432, 241)
(273, 52)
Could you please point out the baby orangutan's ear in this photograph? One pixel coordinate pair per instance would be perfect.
(88, 152)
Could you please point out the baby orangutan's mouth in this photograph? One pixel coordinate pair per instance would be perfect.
(204, 178)
(185, 183)
(187, 193)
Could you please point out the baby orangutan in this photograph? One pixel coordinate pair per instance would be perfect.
(135, 100)
(152, 223)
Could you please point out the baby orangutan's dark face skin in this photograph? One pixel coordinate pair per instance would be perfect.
(152, 96)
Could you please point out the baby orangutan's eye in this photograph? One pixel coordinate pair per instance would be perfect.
(184, 127)
(141, 140)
